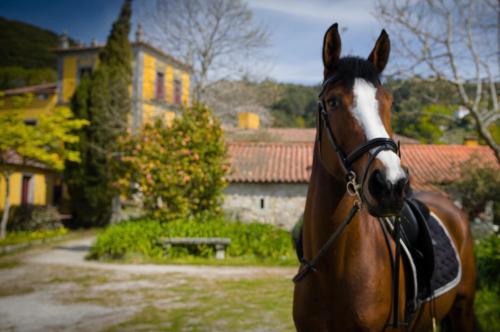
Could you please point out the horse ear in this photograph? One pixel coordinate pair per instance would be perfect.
(331, 47)
(380, 53)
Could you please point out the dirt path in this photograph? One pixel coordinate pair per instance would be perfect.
(56, 289)
(73, 254)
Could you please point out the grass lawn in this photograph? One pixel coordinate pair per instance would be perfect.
(219, 305)
(25, 237)
(104, 300)
(192, 260)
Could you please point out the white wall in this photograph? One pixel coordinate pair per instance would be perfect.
(283, 203)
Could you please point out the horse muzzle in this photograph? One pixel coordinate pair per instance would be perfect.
(387, 198)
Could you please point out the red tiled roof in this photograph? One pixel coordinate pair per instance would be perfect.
(441, 163)
(285, 135)
(12, 158)
(48, 88)
(285, 162)
(270, 162)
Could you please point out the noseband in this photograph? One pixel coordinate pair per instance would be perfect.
(378, 144)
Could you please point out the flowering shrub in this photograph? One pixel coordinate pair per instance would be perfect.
(179, 171)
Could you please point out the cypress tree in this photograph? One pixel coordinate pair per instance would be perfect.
(103, 99)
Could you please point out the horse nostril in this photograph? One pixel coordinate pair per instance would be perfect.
(400, 186)
(378, 184)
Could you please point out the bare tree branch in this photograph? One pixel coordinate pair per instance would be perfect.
(458, 41)
(216, 37)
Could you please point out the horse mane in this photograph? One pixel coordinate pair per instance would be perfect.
(351, 67)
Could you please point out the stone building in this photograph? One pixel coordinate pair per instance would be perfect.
(268, 182)
(270, 169)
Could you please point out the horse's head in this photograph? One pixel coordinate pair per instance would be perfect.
(356, 112)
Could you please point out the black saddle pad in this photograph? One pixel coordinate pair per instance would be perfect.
(430, 252)
(447, 269)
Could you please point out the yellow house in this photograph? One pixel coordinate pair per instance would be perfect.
(160, 83)
(31, 182)
(160, 86)
(43, 100)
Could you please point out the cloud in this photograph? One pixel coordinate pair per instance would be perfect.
(307, 72)
(347, 12)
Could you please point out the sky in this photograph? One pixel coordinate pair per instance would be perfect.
(296, 28)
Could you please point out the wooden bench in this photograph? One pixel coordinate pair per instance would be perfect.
(220, 243)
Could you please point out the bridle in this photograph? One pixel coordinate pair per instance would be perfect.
(378, 145)
(353, 188)
(374, 146)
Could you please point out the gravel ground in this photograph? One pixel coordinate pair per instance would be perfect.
(55, 289)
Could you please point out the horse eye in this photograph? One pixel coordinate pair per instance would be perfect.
(333, 102)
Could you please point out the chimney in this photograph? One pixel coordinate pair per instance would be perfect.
(139, 34)
(63, 40)
(93, 43)
(471, 141)
(248, 120)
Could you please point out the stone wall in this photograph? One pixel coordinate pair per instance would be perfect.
(280, 204)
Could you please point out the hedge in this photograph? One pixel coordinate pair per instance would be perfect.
(141, 239)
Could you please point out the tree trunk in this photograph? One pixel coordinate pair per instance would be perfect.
(6, 206)
(485, 133)
(116, 210)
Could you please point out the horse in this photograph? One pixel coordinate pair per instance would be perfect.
(345, 281)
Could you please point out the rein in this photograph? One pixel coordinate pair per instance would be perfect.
(353, 188)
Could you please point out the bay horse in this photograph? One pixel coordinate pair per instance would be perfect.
(357, 177)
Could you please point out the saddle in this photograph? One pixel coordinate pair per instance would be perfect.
(432, 263)
(417, 238)
(431, 259)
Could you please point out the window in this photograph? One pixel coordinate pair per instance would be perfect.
(57, 194)
(26, 190)
(42, 96)
(82, 71)
(262, 205)
(30, 122)
(160, 86)
(177, 92)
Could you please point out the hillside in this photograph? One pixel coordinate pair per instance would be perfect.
(25, 45)
(26, 56)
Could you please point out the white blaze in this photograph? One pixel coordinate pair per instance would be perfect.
(365, 111)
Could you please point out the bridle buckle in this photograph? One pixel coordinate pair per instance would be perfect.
(353, 188)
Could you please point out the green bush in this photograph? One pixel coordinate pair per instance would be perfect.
(23, 237)
(254, 239)
(487, 302)
(478, 185)
(487, 308)
(178, 170)
(140, 238)
(124, 240)
(34, 218)
(488, 261)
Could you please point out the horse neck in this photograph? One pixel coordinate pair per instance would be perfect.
(327, 206)
(325, 191)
